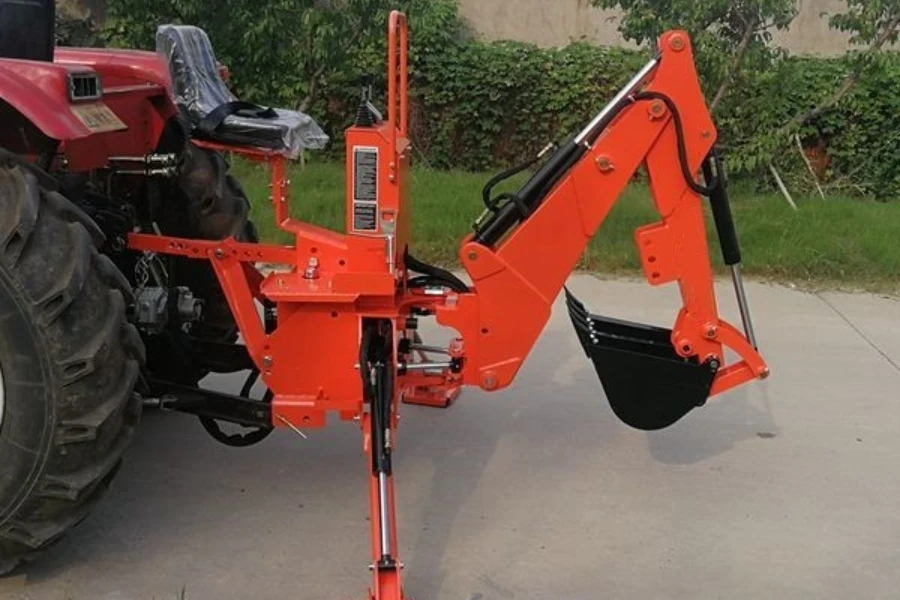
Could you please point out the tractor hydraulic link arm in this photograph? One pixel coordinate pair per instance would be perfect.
(520, 257)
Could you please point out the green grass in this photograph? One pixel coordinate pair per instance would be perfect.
(834, 243)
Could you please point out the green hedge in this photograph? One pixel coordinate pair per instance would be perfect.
(478, 105)
(859, 135)
(494, 104)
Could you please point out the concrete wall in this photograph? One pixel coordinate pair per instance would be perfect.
(557, 22)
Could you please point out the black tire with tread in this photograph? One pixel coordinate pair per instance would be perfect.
(170, 356)
(69, 360)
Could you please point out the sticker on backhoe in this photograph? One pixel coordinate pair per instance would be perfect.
(98, 117)
(365, 188)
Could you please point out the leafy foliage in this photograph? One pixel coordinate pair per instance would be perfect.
(281, 51)
(731, 37)
(857, 136)
(867, 20)
(74, 30)
(478, 105)
(309, 54)
(485, 104)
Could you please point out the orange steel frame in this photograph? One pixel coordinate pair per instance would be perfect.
(331, 281)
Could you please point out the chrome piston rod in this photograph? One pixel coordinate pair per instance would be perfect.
(384, 515)
(743, 305)
(629, 88)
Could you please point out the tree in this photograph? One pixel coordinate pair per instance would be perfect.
(278, 51)
(870, 23)
(75, 26)
(730, 37)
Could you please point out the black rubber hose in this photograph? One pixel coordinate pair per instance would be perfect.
(682, 149)
(364, 345)
(531, 194)
(491, 203)
(564, 159)
(721, 210)
(436, 274)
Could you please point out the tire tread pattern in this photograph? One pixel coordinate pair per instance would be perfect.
(77, 301)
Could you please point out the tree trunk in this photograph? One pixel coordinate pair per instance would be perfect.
(849, 82)
(736, 60)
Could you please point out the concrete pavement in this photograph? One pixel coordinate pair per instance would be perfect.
(786, 488)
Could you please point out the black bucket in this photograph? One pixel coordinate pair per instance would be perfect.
(648, 384)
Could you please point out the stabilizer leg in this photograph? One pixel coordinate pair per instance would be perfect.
(378, 426)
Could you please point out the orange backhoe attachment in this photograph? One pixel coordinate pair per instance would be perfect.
(527, 243)
(337, 332)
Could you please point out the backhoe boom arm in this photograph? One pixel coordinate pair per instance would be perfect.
(520, 257)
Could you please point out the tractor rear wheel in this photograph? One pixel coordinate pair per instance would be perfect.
(69, 361)
(170, 355)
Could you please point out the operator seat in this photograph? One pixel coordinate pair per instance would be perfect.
(214, 113)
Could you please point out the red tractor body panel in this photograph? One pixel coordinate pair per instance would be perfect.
(126, 121)
(118, 67)
(136, 88)
(39, 90)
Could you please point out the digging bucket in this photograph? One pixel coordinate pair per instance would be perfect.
(648, 384)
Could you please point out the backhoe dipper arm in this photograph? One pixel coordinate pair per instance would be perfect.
(520, 257)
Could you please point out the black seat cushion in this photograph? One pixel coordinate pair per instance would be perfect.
(214, 112)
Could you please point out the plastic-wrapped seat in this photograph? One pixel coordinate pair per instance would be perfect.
(215, 113)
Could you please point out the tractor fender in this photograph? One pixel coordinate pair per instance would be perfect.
(48, 110)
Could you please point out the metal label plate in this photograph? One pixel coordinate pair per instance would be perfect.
(365, 188)
(98, 117)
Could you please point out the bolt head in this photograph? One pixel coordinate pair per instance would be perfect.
(220, 253)
(490, 381)
(657, 109)
(267, 361)
(711, 332)
(473, 255)
(677, 43)
(604, 163)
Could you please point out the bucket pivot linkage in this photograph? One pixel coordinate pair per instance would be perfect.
(650, 385)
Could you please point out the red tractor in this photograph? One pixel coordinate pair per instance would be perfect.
(129, 268)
